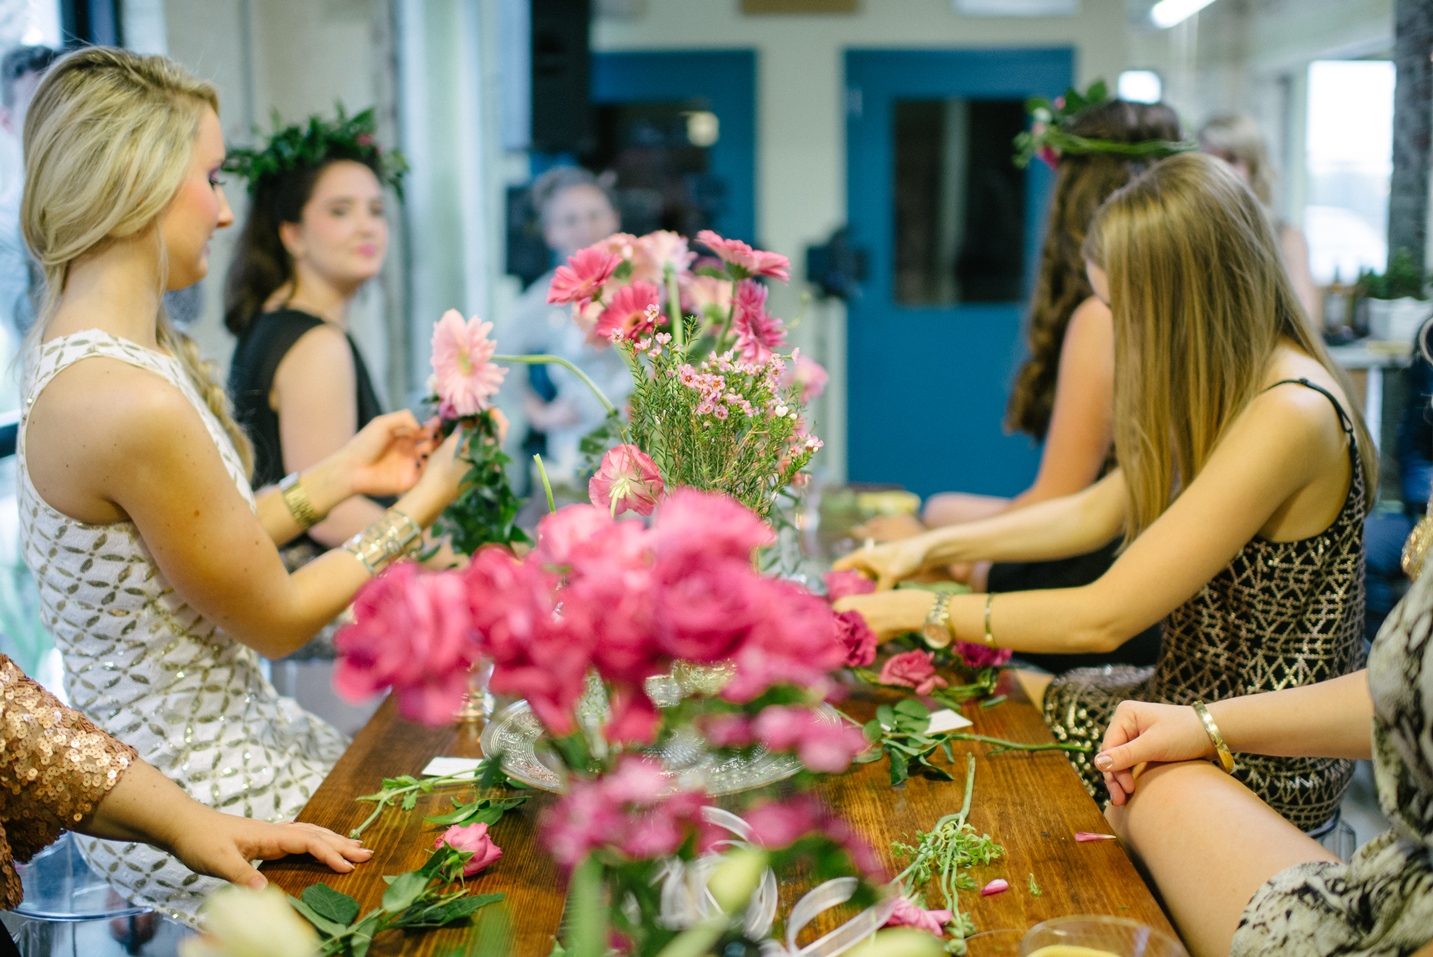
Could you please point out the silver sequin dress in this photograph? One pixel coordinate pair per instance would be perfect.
(153, 672)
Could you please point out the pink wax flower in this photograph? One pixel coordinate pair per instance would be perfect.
(464, 376)
(633, 312)
(473, 839)
(758, 333)
(841, 584)
(857, 638)
(820, 744)
(626, 480)
(808, 375)
(742, 260)
(411, 632)
(581, 279)
(908, 914)
(654, 253)
(912, 669)
(982, 656)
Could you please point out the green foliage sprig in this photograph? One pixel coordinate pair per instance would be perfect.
(405, 790)
(486, 508)
(307, 146)
(418, 899)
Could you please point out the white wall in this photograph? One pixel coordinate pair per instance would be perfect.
(801, 142)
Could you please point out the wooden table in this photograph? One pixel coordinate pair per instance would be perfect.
(1030, 802)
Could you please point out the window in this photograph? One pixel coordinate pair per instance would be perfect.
(1349, 159)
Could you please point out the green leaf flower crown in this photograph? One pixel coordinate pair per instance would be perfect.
(305, 147)
(1048, 139)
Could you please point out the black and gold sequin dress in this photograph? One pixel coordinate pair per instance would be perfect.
(1281, 614)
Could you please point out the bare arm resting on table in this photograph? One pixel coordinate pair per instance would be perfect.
(113, 442)
(1281, 471)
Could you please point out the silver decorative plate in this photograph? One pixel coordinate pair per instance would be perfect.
(515, 733)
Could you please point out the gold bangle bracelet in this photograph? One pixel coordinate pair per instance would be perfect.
(989, 635)
(393, 536)
(1221, 750)
(296, 499)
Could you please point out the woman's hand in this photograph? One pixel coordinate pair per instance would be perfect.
(1141, 732)
(889, 528)
(386, 456)
(891, 613)
(227, 843)
(887, 564)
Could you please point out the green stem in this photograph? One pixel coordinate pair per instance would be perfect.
(426, 785)
(674, 309)
(546, 485)
(587, 928)
(730, 317)
(546, 360)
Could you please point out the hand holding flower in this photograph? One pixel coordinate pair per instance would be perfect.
(386, 456)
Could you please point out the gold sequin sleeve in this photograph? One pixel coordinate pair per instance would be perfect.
(55, 766)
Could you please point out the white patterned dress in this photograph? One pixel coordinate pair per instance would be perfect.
(152, 671)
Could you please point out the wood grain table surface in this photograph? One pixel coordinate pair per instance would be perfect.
(1032, 803)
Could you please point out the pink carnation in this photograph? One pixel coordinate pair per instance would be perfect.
(655, 252)
(742, 260)
(982, 656)
(627, 479)
(411, 632)
(464, 376)
(908, 914)
(569, 530)
(632, 313)
(912, 669)
(821, 745)
(582, 277)
(841, 584)
(473, 839)
(707, 525)
(857, 638)
(758, 334)
(792, 642)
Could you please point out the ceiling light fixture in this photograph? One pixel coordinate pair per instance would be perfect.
(1167, 13)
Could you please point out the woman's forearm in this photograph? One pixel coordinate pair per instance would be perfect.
(142, 806)
(326, 484)
(1331, 719)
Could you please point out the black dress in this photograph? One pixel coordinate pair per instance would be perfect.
(251, 378)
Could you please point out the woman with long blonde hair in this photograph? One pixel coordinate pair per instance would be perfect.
(1242, 485)
(158, 569)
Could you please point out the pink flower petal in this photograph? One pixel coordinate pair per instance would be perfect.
(997, 886)
(1085, 836)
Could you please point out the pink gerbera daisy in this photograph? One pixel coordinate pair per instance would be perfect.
(583, 275)
(758, 334)
(464, 376)
(632, 312)
(744, 261)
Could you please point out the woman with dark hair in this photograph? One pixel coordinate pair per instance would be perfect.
(1064, 393)
(315, 234)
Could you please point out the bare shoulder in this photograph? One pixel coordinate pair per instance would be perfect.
(1289, 403)
(1091, 319)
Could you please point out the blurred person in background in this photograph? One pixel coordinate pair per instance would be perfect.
(575, 211)
(20, 72)
(1235, 138)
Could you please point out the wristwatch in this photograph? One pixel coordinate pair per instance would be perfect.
(937, 631)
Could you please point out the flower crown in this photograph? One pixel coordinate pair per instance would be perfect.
(305, 147)
(1048, 139)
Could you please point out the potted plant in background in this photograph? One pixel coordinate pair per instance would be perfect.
(1396, 301)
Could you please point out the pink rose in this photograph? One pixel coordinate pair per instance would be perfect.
(912, 669)
(982, 656)
(705, 610)
(626, 480)
(582, 277)
(857, 638)
(474, 840)
(742, 260)
(907, 914)
(841, 584)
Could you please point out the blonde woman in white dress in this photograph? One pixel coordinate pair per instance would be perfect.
(158, 569)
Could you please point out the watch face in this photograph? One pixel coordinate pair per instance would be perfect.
(937, 636)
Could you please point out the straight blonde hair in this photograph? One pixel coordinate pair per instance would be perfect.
(1200, 300)
(108, 140)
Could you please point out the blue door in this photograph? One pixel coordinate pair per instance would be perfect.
(679, 129)
(952, 231)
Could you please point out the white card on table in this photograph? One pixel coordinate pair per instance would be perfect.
(946, 720)
(438, 767)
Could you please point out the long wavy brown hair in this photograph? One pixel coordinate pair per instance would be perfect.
(1201, 300)
(1082, 183)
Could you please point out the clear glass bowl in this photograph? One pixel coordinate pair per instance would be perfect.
(1098, 936)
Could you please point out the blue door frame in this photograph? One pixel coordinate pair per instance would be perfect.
(726, 79)
(928, 384)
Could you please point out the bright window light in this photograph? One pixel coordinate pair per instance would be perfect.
(1167, 13)
(1349, 158)
(1140, 86)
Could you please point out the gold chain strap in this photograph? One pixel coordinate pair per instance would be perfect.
(1415, 548)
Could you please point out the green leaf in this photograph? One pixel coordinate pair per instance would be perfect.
(410, 800)
(324, 926)
(406, 889)
(886, 715)
(330, 903)
(912, 707)
(872, 730)
(992, 702)
(449, 912)
(462, 813)
(900, 767)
